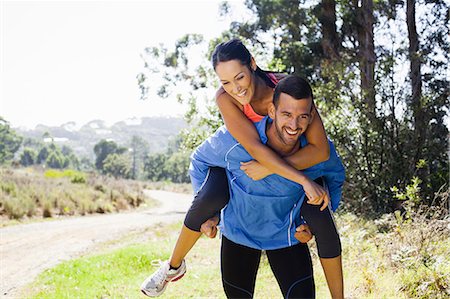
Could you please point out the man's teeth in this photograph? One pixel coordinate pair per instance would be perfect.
(291, 132)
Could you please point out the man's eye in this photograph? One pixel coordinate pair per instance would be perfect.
(224, 83)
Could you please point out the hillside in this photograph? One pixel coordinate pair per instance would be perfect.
(155, 130)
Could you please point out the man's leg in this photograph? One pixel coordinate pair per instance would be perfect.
(293, 270)
(328, 243)
(239, 266)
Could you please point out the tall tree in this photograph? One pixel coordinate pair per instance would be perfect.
(104, 148)
(416, 80)
(139, 149)
(9, 141)
(330, 39)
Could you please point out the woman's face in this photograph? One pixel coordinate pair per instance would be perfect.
(237, 80)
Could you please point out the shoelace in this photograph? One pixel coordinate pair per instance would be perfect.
(161, 274)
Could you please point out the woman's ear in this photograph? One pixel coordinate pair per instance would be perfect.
(253, 64)
(271, 111)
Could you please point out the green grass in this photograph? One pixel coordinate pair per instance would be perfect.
(370, 255)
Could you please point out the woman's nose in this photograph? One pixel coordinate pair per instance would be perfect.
(237, 88)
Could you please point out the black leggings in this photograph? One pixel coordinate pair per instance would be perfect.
(291, 266)
(214, 195)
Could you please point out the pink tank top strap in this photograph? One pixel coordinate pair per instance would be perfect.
(248, 109)
(251, 114)
(273, 78)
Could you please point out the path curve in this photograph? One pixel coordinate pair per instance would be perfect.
(28, 249)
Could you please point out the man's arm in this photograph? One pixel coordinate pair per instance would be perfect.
(209, 154)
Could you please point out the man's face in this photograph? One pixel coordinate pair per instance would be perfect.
(291, 118)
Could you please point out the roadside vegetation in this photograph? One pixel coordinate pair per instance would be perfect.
(33, 193)
(391, 257)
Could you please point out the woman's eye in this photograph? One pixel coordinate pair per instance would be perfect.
(225, 83)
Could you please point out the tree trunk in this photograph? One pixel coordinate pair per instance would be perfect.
(366, 55)
(330, 39)
(416, 80)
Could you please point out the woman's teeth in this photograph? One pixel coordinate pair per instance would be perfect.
(242, 93)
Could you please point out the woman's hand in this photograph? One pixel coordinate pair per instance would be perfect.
(255, 170)
(316, 194)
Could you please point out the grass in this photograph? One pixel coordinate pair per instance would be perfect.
(374, 266)
(30, 193)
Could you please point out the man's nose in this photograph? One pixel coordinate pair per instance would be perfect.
(293, 123)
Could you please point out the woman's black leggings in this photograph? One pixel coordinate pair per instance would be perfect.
(214, 195)
(291, 266)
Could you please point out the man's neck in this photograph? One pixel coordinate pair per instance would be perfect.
(274, 141)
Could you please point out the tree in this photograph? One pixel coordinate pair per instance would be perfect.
(177, 167)
(139, 149)
(117, 165)
(43, 155)
(28, 157)
(9, 142)
(154, 167)
(56, 160)
(104, 148)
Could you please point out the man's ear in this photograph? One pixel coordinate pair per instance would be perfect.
(253, 64)
(271, 111)
(313, 112)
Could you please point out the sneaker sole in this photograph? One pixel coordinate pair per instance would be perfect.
(146, 293)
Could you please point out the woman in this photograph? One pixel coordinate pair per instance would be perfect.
(244, 98)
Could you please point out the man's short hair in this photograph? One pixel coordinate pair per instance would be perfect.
(295, 86)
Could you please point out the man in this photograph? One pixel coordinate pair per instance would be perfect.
(264, 214)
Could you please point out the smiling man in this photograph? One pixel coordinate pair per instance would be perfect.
(264, 214)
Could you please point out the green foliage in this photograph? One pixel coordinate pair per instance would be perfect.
(9, 142)
(104, 148)
(139, 149)
(56, 160)
(117, 165)
(28, 157)
(76, 177)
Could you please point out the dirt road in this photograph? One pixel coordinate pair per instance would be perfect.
(26, 250)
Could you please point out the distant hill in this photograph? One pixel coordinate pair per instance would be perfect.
(155, 130)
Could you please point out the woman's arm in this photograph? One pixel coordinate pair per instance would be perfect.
(245, 133)
(317, 150)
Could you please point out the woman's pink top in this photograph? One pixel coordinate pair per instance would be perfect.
(248, 109)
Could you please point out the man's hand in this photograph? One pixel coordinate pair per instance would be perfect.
(209, 227)
(303, 233)
(316, 194)
(255, 170)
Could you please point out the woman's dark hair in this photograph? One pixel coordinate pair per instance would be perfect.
(235, 50)
(295, 86)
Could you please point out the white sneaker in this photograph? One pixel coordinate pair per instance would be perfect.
(156, 283)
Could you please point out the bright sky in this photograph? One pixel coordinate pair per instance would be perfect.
(78, 60)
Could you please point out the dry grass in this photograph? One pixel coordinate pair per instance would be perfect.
(30, 193)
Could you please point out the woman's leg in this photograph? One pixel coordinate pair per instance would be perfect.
(293, 270)
(239, 265)
(210, 199)
(328, 243)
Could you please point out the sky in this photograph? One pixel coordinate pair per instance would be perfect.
(77, 61)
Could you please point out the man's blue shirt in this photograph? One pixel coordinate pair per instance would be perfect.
(261, 214)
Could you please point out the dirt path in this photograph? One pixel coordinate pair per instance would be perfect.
(26, 250)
